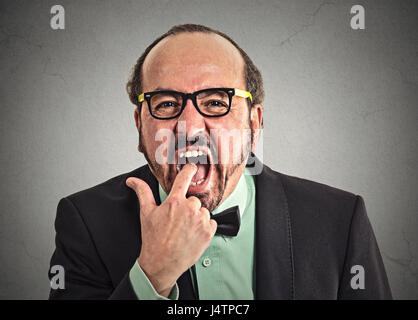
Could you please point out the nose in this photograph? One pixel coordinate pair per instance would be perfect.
(193, 120)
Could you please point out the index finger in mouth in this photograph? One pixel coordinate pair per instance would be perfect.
(182, 182)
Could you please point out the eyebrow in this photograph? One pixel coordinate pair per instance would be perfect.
(164, 89)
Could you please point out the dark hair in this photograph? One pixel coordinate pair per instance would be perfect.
(254, 81)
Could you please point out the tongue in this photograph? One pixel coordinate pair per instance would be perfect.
(201, 172)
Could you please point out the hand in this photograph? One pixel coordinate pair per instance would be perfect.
(174, 234)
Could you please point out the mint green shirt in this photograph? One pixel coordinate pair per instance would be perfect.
(226, 269)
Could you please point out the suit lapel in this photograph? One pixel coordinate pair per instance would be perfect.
(186, 291)
(274, 258)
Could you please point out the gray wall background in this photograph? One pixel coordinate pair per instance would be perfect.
(341, 109)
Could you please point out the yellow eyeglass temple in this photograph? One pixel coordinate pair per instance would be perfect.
(243, 94)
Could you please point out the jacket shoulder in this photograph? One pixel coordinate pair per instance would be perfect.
(318, 212)
(314, 192)
(110, 190)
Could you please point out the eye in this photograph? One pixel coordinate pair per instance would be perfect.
(167, 104)
(216, 104)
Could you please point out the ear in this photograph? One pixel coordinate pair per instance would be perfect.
(138, 125)
(256, 118)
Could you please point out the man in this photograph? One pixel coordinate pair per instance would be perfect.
(193, 223)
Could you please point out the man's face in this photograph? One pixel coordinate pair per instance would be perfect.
(189, 62)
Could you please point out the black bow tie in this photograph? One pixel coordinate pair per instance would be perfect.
(228, 221)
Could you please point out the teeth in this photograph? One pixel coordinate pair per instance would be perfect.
(197, 182)
(193, 153)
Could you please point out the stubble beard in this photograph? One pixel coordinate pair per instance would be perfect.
(210, 199)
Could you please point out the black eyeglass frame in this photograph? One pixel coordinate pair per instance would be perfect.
(186, 96)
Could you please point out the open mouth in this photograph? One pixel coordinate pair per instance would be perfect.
(200, 157)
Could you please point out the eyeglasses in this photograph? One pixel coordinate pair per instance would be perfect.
(213, 102)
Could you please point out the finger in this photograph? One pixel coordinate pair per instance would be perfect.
(143, 192)
(205, 213)
(182, 182)
(195, 203)
(213, 226)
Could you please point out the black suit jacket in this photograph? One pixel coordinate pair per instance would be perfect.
(308, 236)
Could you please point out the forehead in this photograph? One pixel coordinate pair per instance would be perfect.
(192, 61)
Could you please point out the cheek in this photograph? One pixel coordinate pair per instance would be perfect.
(235, 119)
(231, 134)
(158, 137)
(240, 116)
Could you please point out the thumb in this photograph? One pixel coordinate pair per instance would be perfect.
(143, 192)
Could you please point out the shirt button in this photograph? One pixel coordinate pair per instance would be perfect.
(206, 262)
